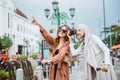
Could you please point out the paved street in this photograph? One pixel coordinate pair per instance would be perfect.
(77, 72)
(117, 69)
(76, 75)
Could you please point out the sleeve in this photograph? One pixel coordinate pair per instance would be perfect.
(62, 53)
(103, 48)
(74, 51)
(47, 36)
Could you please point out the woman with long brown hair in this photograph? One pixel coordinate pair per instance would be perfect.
(59, 69)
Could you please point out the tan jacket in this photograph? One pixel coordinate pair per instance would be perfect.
(63, 67)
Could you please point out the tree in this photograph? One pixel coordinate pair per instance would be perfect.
(114, 33)
(6, 42)
(117, 40)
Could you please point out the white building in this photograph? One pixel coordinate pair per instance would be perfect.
(15, 24)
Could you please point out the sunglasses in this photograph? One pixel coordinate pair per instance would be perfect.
(62, 30)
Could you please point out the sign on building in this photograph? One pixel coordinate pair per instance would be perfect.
(45, 49)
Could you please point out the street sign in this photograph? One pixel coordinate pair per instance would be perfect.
(45, 49)
(45, 45)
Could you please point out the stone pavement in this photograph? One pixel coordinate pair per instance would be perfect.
(77, 72)
(117, 69)
(75, 75)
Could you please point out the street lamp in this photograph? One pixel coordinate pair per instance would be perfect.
(26, 43)
(110, 37)
(57, 15)
(73, 28)
(104, 18)
(40, 45)
(118, 22)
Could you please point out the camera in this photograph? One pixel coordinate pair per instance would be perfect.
(72, 32)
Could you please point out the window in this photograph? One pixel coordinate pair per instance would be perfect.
(18, 27)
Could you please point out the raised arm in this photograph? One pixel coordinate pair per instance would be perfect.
(44, 32)
(74, 51)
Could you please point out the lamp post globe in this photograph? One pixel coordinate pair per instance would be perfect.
(47, 12)
(72, 11)
(58, 17)
(55, 5)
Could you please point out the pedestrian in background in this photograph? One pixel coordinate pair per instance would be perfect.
(96, 55)
(59, 69)
(17, 56)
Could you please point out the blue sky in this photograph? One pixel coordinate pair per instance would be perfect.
(89, 12)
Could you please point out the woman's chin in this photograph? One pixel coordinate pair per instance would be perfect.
(78, 38)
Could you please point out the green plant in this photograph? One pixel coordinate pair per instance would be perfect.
(23, 57)
(7, 42)
(3, 75)
(113, 35)
(34, 56)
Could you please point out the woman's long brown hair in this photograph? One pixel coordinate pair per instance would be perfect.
(57, 39)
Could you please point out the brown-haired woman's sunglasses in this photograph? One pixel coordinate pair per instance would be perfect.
(62, 30)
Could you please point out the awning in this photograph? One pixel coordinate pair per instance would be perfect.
(116, 46)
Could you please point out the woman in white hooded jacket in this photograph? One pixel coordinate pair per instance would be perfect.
(96, 55)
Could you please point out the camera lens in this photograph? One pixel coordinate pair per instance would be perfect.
(72, 32)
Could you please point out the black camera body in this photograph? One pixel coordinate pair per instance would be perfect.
(72, 32)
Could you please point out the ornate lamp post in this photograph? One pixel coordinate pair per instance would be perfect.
(104, 18)
(26, 43)
(73, 28)
(58, 16)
